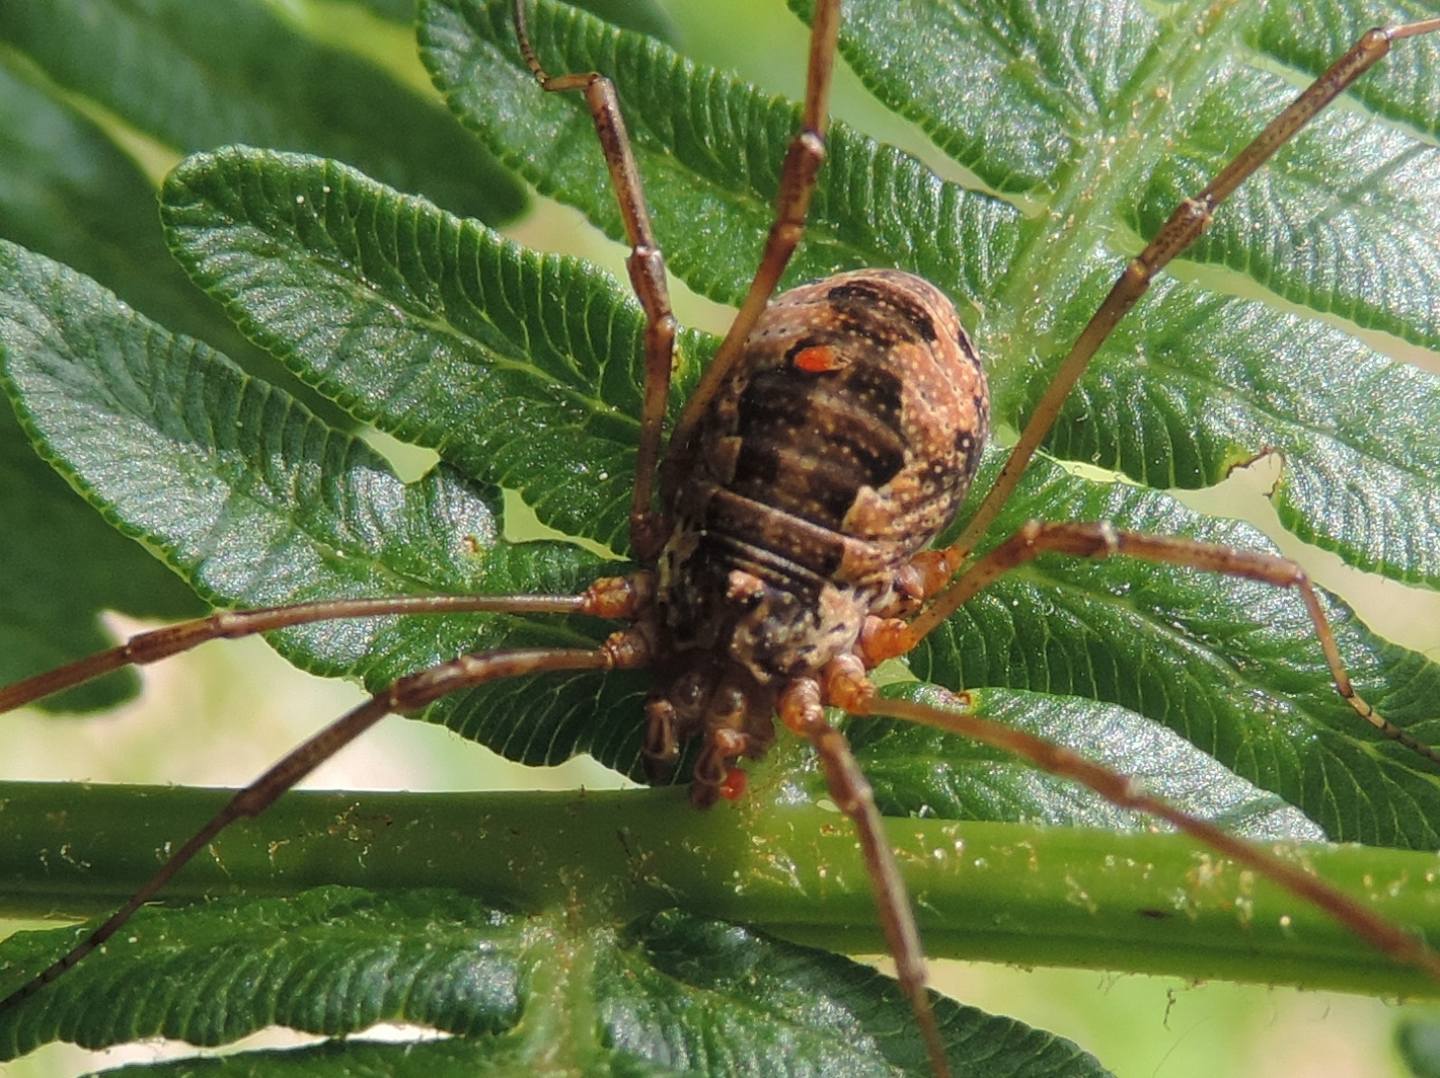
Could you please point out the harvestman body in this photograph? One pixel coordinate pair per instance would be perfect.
(832, 438)
(843, 442)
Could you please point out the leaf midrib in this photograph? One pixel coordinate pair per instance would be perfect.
(1174, 79)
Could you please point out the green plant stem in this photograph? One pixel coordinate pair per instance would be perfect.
(1007, 892)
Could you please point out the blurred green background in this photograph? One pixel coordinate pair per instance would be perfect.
(221, 715)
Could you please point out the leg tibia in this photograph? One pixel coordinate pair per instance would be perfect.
(408, 693)
(1184, 226)
(646, 266)
(1121, 791)
(801, 710)
(149, 647)
(1101, 540)
(797, 182)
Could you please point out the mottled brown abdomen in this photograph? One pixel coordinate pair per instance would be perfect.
(844, 442)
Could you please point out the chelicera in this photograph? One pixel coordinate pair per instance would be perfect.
(783, 528)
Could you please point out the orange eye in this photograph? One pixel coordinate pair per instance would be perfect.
(817, 359)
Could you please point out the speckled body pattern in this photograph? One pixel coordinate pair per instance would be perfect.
(808, 491)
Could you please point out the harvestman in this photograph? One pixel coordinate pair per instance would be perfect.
(772, 580)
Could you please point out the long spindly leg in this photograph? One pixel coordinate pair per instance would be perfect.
(1103, 541)
(1185, 225)
(797, 183)
(646, 266)
(800, 708)
(1121, 791)
(623, 649)
(609, 597)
